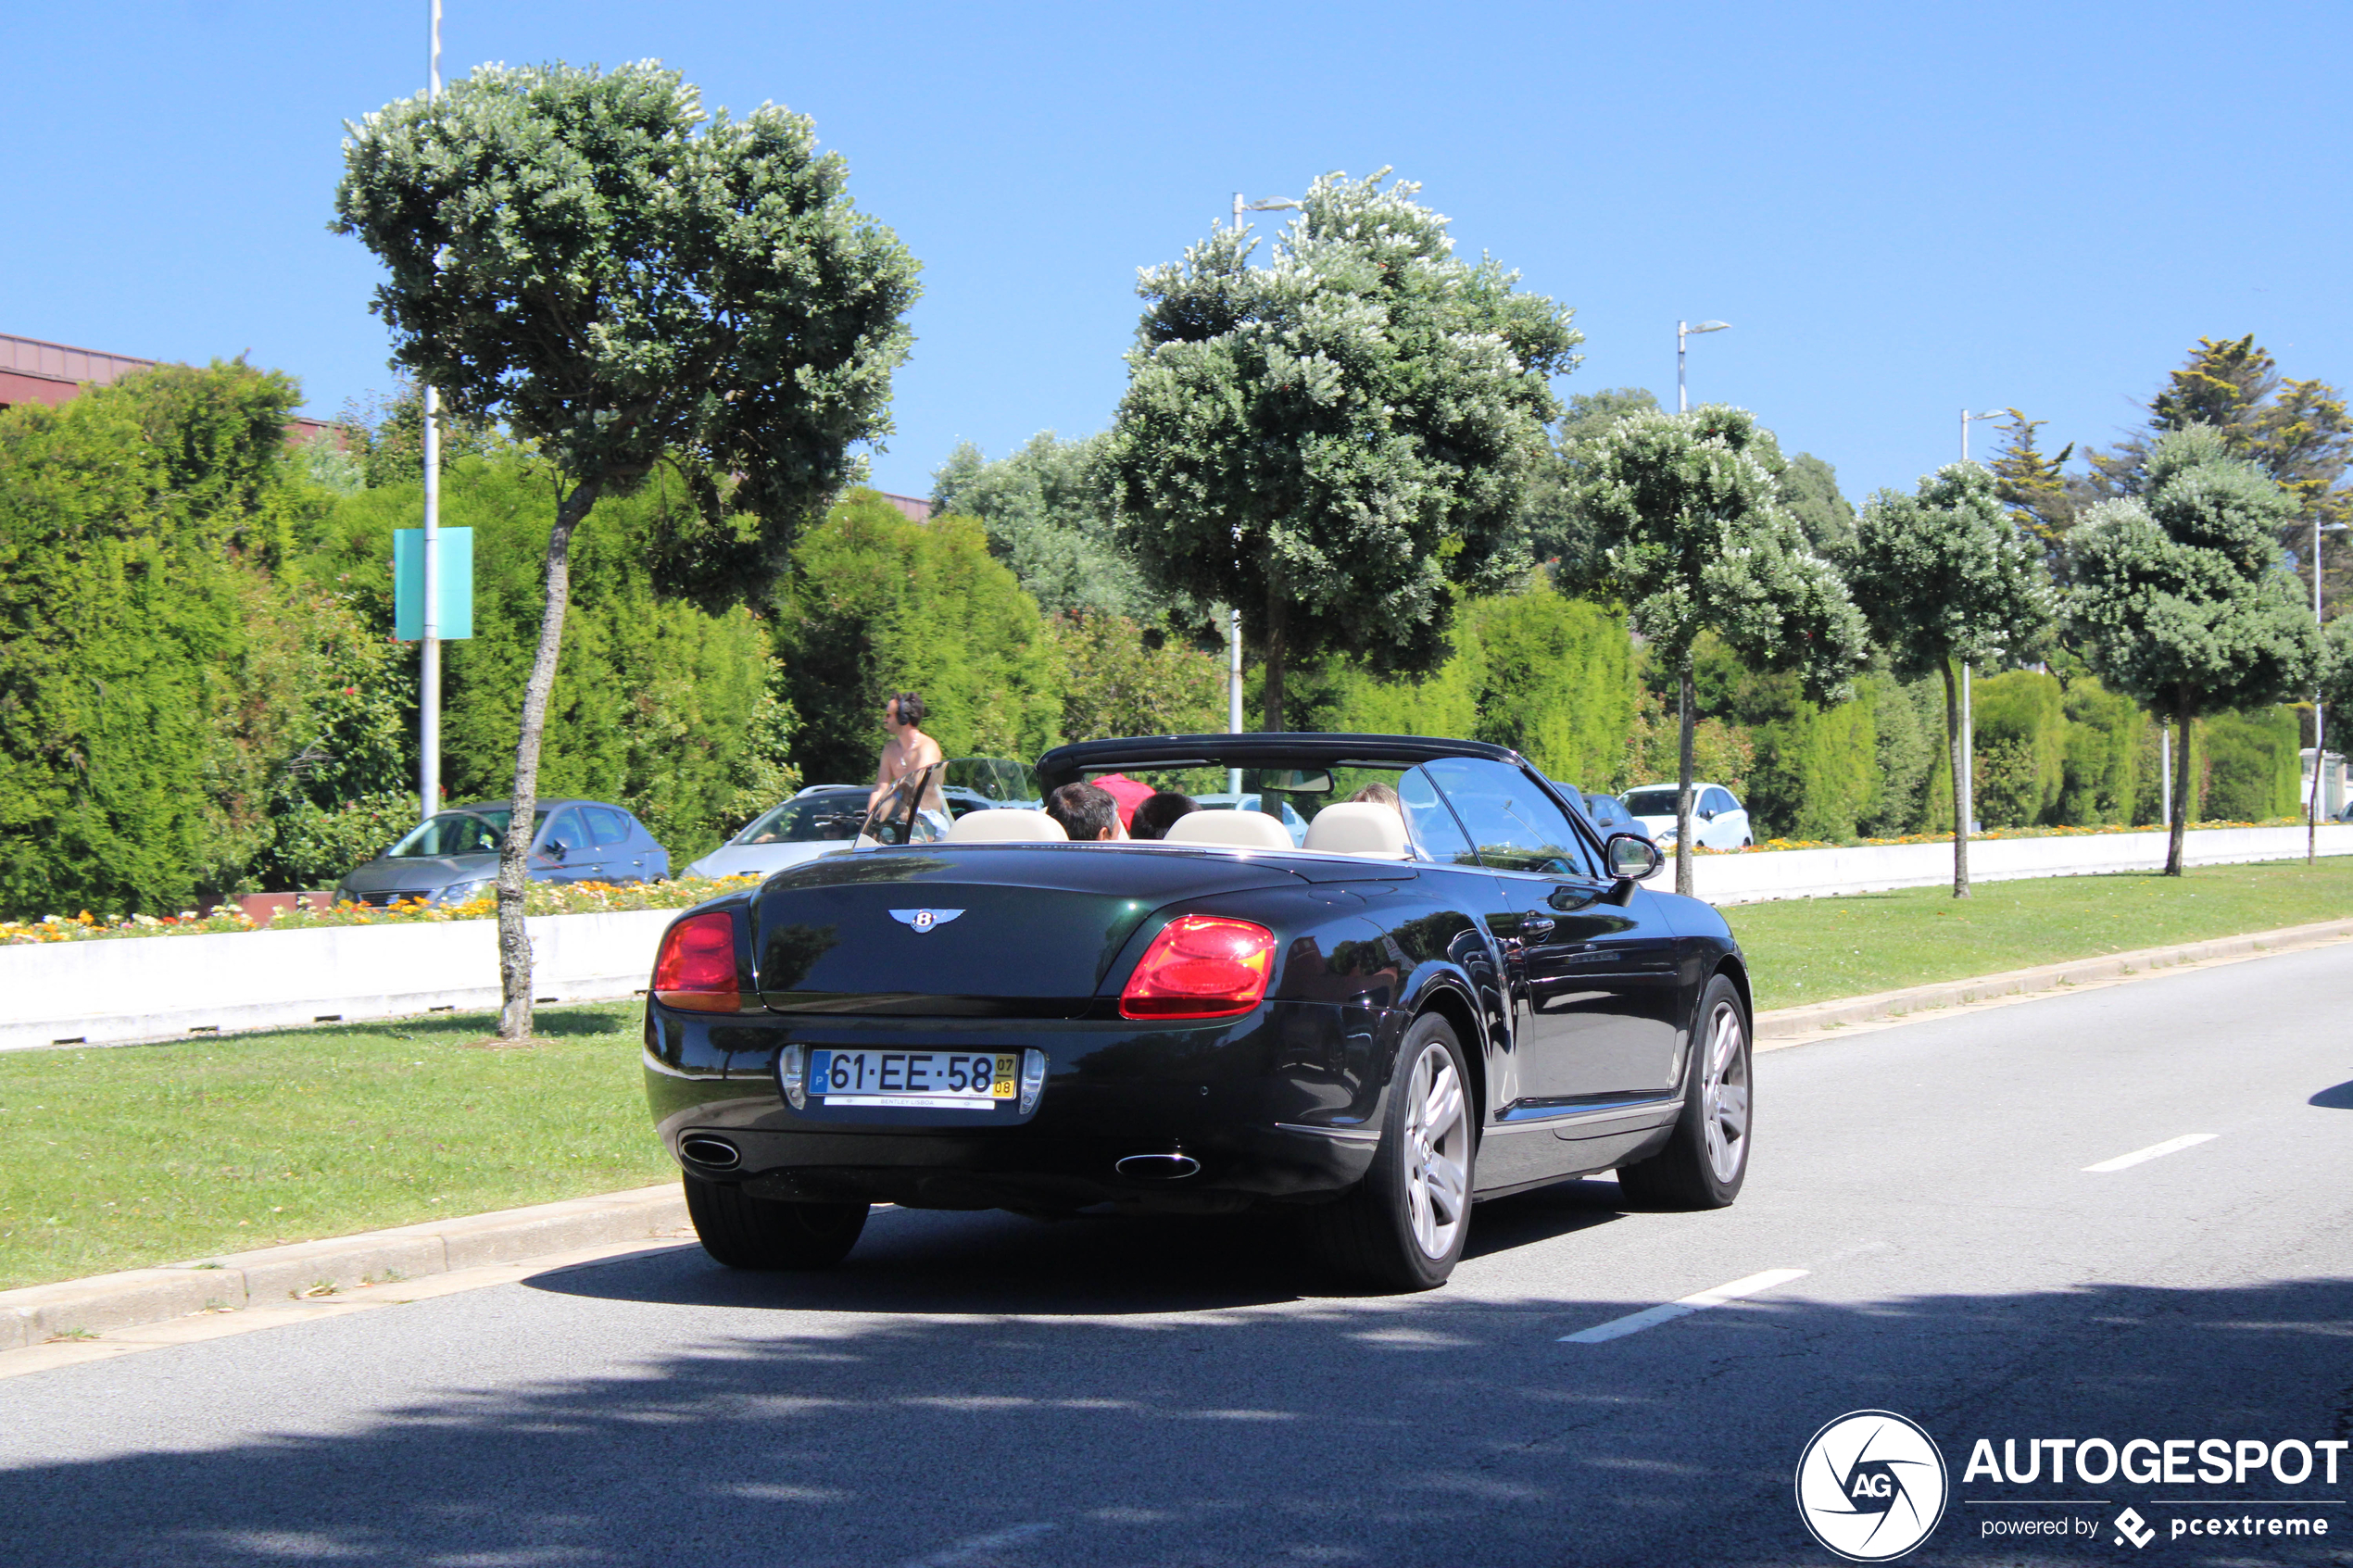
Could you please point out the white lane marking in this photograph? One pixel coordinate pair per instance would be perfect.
(1619, 1328)
(2170, 1145)
(982, 1546)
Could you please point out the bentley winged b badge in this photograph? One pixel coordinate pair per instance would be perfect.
(921, 921)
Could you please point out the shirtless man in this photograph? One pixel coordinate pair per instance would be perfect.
(909, 751)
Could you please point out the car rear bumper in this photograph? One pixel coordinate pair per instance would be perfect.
(1278, 1106)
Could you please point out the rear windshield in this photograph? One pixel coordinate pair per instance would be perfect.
(1656, 801)
(809, 819)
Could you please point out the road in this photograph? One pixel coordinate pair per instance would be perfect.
(985, 1391)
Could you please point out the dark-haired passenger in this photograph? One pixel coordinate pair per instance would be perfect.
(1157, 815)
(1089, 815)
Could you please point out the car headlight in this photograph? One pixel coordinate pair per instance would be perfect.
(465, 891)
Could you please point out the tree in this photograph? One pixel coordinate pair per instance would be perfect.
(1117, 681)
(878, 605)
(2033, 485)
(2179, 601)
(1695, 538)
(1810, 489)
(589, 258)
(1048, 508)
(2336, 670)
(1335, 442)
(1947, 580)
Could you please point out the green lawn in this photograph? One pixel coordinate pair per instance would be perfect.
(1817, 949)
(124, 1156)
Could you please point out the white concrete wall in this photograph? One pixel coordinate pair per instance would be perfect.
(167, 987)
(1753, 876)
(164, 988)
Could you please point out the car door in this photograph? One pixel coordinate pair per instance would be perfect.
(1592, 966)
(566, 852)
(618, 857)
(1727, 824)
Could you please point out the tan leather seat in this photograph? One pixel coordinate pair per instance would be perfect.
(1359, 827)
(1234, 830)
(1007, 824)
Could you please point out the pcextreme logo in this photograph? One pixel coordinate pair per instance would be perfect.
(1871, 1485)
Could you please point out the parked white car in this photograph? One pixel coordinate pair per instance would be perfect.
(1719, 821)
(821, 820)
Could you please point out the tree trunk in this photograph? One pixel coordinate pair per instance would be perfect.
(1683, 704)
(2174, 841)
(514, 937)
(1278, 632)
(1957, 750)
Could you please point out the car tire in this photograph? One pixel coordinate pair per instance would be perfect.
(1404, 1225)
(743, 1232)
(1705, 1159)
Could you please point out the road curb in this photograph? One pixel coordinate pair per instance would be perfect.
(1788, 1025)
(233, 1282)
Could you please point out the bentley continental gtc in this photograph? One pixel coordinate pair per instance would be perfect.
(1446, 994)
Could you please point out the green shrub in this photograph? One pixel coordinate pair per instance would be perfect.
(2019, 729)
(2251, 766)
(2102, 768)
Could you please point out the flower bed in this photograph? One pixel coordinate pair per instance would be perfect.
(540, 899)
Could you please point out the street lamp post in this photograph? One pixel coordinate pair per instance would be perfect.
(1966, 805)
(429, 640)
(1233, 612)
(2319, 746)
(1682, 330)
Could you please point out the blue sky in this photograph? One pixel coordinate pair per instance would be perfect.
(1902, 210)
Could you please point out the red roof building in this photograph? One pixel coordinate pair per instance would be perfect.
(35, 371)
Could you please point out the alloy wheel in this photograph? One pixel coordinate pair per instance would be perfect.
(1723, 1093)
(1435, 1151)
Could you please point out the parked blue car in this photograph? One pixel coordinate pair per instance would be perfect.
(453, 856)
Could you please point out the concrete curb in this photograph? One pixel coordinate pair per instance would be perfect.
(276, 1274)
(1785, 1023)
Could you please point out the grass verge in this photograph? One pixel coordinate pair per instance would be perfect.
(126, 1156)
(1819, 949)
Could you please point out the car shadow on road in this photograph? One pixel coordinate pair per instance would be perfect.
(1427, 1431)
(2337, 1098)
(920, 1260)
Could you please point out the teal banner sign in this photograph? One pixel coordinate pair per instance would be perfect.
(453, 552)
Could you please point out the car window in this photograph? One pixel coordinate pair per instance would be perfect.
(609, 825)
(1516, 825)
(452, 833)
(1657, 801)
(1720, 801)
(1432, 826)
(567, 830)
(832, 816)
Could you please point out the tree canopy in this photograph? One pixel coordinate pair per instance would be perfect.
(1048, 508)
(2179, 600)
(1365, 414)
(1946, 578)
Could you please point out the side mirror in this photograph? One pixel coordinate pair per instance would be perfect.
(555, 851)
(1631, 857)
(1707, 816)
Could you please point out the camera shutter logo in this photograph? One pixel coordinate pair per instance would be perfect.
(1871, 1485)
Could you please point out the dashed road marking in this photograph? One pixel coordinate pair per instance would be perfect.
(2170, 1145)
(1619, 1328)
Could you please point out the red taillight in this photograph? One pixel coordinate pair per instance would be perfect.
(1201, 966)
(696, 969)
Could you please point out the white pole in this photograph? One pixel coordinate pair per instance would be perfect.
(429, 662)
(1234, 621)
(2320, 749)
(1682, 396)
(2165, 771)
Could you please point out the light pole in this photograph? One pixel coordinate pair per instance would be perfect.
(1682, 330)
(1233, 612)
(429, 643)
(2320, 748)
(1968, 802)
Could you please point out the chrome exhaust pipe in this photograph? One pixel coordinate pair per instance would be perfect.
(1157, 1167)
(713, 1154)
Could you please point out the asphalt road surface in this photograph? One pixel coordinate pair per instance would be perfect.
(990, 1392)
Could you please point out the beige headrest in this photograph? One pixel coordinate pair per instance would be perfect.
(1007, 824)
(1359, 827)
(1234, 830)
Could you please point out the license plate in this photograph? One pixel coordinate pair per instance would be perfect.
(913, 1080)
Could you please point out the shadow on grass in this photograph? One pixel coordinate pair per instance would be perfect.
(552, 1023)
(952, 1418)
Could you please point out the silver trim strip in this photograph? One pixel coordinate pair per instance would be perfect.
(1346, 1135)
